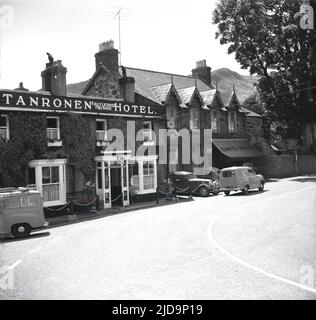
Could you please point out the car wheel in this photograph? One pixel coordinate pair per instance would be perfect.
(21, 230)
(246, 190)
(204, 192)
(261, 188)
(227, 193)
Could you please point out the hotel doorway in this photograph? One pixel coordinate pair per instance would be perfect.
(116, 185)
(112, 180)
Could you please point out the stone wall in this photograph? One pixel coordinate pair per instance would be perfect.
(281, 166)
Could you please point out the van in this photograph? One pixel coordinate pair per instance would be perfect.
(240, 178)
(21, 212)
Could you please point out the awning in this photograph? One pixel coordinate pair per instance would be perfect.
(236, 148)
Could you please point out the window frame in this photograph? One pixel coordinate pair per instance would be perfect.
(58, 127)
(147, 132)
(6, 127)
(39, 165)
(195, 119)
(232, 129)
(215, 120)
(105, 130)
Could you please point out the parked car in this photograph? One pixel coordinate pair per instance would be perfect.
(187, 182)
(211, 173)
(21, 212)
(240, 178)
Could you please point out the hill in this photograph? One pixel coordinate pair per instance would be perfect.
(226, 79)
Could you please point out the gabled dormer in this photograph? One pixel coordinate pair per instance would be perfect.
(231, 101)
(104, 83)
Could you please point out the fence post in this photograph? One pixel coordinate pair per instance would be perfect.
(157, 196)
(190, 192)
(72, 207)
(98, 205)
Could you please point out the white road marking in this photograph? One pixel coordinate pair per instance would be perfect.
(248, 265)
(34, 251)
(15, 264)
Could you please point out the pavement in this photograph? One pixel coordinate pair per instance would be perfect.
(97, 214)
(260, 246)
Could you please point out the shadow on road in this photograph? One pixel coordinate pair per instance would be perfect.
(251, 193)
(309, 179)
(32, 236)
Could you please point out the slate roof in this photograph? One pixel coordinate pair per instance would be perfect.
(146, 79)
(208, 96)
(186, 94)
(161, 92)
(156, 85)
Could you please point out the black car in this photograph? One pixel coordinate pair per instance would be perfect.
(188, 183)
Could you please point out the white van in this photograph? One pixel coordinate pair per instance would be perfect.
(21, 211)
(240, 178)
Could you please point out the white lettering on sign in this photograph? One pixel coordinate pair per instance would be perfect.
(26, 100)
(21, 101)
(78, 105)
(57, 103)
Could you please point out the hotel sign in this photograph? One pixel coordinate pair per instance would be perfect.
(25, 101)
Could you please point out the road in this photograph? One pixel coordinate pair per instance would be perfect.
(260, 246)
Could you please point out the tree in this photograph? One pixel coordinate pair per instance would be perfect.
(257, 32)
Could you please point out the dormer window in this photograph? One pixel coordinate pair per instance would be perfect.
(215, 120)
(232, 121)
(4, 127)
(194, 119)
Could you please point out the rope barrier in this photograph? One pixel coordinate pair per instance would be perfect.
(183, 190)
(166, 194)
(117, 198)
(59, 209)
(84, 205)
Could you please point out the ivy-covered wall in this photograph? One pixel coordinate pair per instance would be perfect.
(28, 142)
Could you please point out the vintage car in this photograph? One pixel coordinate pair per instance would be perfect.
(21, 212)
(240, 178)
(210, 173)
(188, 183)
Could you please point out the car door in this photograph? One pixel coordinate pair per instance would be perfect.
(253, 179)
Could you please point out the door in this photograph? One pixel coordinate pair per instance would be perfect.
(253, 179)
(124, 183)
(103, 183)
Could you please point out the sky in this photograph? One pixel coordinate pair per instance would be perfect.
(162, 35)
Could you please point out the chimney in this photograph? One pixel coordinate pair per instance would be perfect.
(203, 72)
(54, 78)
(127, 87)
(108, 56)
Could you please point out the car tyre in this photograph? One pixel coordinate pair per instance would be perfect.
(204, 192)
(246, 190)
(261, 188)
(227, 193)
(21, 230)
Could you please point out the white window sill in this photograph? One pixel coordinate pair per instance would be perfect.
(144, 192)
(54, 203)
(103, 143)
(57, 143)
